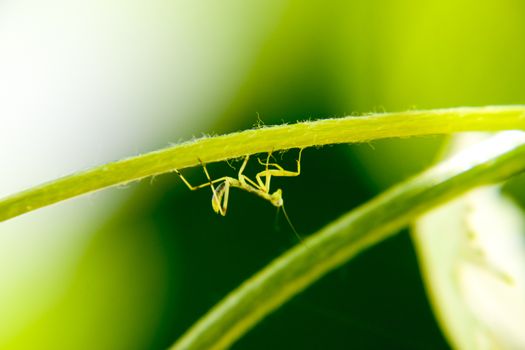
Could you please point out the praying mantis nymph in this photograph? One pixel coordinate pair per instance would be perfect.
(259, 187)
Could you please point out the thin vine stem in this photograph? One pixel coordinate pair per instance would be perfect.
(265, 139)
(489, 162)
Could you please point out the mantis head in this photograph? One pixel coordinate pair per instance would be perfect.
(276, 198)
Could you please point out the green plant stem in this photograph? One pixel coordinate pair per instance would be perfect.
(266, 139)
(491, 161)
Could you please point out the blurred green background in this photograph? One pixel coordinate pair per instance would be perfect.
(134, 267)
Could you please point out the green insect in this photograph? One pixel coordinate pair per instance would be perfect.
(259, 187)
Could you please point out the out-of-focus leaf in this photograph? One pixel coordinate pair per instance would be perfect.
(472, 252)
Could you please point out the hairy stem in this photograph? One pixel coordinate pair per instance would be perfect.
(300, 135)
(491, 161)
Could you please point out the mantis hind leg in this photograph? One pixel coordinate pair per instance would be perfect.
(220, 193)
(209, 183)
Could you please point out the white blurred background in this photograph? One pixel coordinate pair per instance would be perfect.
(85, 82)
